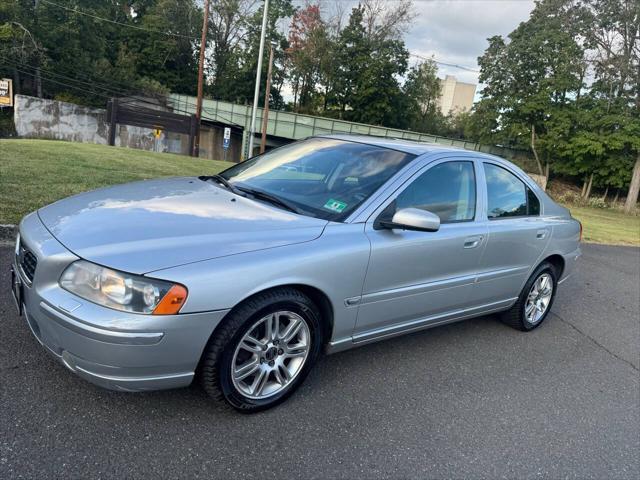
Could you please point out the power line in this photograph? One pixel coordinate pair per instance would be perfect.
(105, 93)
(80, 12)
(114, 85)
(93, 85)
(59, 75)
(112, 91)
(92, 92)
(453, 65)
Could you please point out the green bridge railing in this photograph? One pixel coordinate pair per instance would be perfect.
(295, 126)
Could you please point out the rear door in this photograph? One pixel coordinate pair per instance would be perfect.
(414, 277)
(518, 235)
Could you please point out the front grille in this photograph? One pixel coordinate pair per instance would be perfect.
(28, 263)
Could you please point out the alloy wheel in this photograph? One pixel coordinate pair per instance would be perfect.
(538, 299)
(270, 354)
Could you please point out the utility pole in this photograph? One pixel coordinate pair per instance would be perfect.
(256, 93)
(38, 76)
(203, 46)
(265, 112)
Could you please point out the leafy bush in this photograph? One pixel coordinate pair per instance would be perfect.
(7, 127)
(574, 199)
(597, 202)
(569, 197)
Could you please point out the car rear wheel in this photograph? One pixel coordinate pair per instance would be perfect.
(535, 300)
(263, 350)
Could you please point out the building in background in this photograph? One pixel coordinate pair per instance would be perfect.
(455, 96)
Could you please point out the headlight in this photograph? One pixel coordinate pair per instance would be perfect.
(122, 291)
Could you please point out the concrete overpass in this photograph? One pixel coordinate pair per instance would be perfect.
(284, 127)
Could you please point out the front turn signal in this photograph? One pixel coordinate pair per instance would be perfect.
(172, 302)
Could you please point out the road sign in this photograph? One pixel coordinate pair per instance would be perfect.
(6, 92)
(157, 132)
(226, 141)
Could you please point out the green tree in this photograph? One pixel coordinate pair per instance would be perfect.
(422, 88)
(567, 83)
(237, 84)
(228, 23)
(532, 75)
(615, 39)
(20, 47)
(308, 57)
(365, 77)
(88, 51)
(165, 51)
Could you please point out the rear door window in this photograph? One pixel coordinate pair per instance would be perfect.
(507, 195)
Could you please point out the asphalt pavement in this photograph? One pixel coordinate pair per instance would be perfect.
(470, 400)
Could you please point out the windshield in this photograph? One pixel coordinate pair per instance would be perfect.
(321, 177)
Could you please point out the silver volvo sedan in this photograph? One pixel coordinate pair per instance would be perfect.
(242, 279)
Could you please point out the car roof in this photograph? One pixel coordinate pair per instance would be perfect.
(421, 148)
(406, 146)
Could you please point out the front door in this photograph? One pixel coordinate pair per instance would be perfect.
(418, 277)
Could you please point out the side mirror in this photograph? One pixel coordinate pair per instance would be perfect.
(413, 219)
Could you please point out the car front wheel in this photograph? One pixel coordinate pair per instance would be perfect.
(263, 350)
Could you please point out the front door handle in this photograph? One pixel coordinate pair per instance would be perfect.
(473, 241)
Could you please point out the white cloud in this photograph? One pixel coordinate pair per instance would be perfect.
(452, 31)
(456, 31)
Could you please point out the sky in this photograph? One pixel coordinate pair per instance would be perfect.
(452, 31)
(456, 31)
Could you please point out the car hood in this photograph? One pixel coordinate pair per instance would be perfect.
(151, 225)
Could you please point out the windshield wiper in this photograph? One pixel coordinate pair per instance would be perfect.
(223, 181)
(271, 199)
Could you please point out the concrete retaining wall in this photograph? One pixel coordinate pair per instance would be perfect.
(51, 119)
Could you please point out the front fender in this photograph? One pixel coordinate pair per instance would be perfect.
(335, 263)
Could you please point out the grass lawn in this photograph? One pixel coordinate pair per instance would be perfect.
(34, 173)
(608, 226)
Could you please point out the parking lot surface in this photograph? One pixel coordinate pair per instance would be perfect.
(470, 400)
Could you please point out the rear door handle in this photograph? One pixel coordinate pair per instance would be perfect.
(542, 233)
(473, 242)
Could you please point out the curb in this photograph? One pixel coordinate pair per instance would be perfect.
(8, 233)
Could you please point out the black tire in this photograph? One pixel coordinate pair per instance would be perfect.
(515, 317)
(215, 367)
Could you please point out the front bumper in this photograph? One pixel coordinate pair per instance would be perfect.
(112, 349)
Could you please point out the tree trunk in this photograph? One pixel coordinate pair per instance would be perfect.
(546, 176)
(38, 83)
(588, 193)
(606, 192)
(584, 187)
(295, 95)
(533, 148)
(634, 187)
(615, 199)
(16, 82)
(326, 96)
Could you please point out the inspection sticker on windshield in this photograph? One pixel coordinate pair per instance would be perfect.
(335, 205)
